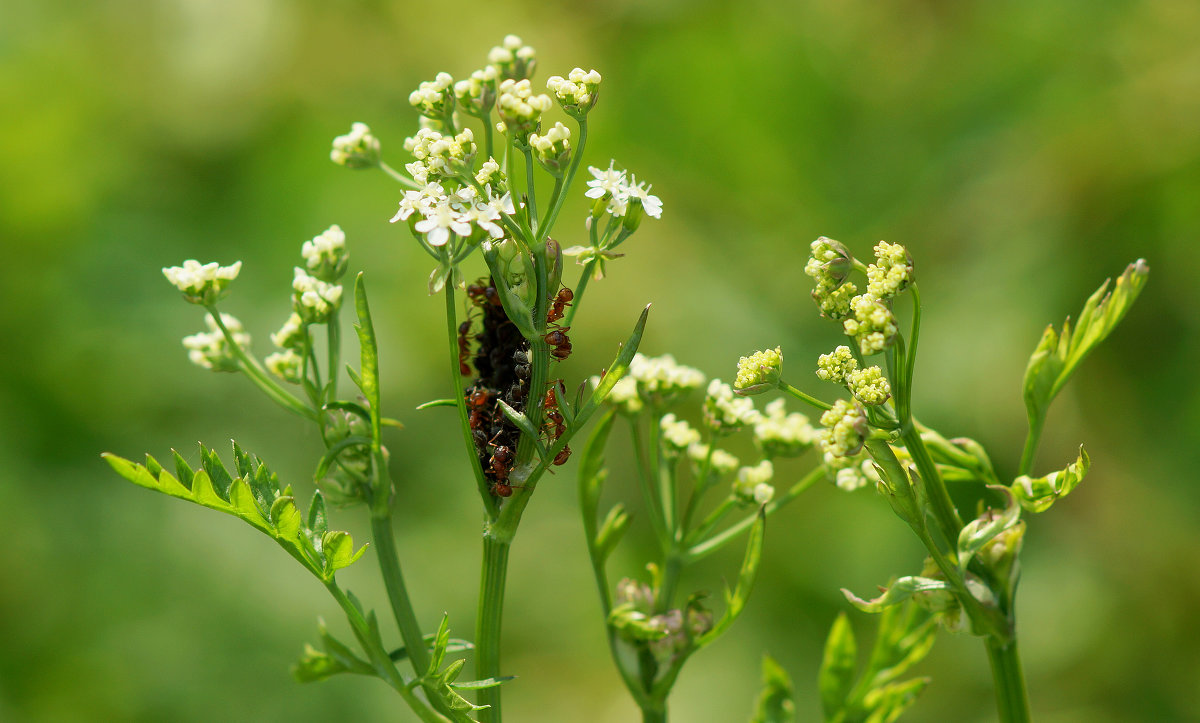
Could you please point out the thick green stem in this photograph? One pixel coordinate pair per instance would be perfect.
(487, 624)
(1031, 445)
(334, 341)
(464, 422)
(939, 498)
(393, 580)
(1012, 702)
(531, 193)
(652, 715)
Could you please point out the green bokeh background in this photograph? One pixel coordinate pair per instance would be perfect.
(1023, 151)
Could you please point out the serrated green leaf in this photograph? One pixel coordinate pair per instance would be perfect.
(285, 518)
(317, 521)
(1037, 495)
(183, 471)
(153, 467)
(243, 502)
(241, 461)
(898, 592)
(838, 666)
(611, 531)
(204, 494)
(218, 476)
(170, 486)
(338, 549)
(775, 700)
(735, 600)
(131, 471)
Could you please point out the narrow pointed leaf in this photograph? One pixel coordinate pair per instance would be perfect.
(735, 600)
(518, 419)
(131, 471)
(591, 472)
(182, 471)
(370, 354)
(611, 532)
(437, 403)
(775, 703)
(482, 684)
(838, 667)
(618, 368)
(317, 521)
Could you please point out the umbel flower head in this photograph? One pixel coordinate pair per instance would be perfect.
(292, 334)
(834, 366)
(211, 349)
(619, 196)
(779, 434)
(314, 300)
(892, 271)
(325, 256)
(202, 283)
(677, 434)
(477, 94)
(513, 59)
(286, 364)
(869, 385)
(752, 484)
(553, 149)
(657, 381)
(577, 93)
(434, 98)
(845, 429)
(356, 149)
(724, 412)
(720, 463)
(873, 326)
(759, 372)
(521, 110)
(829, 264)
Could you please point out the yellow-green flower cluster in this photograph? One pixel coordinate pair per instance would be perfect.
(869, 385)
(834, 366)
(357, 149)
(553, 149)
(759, 372)
(514, 60)
(292, 334)
(829, 264)
(677, 434)
(577, 93)
(724, 412)
(779, 434)
(434, 98)
(490, 175)
(892, 271)
(477, 94)
(852, 472)
(753, 483)
(211, 349)
(202, 283)
(661, 380)
(286, 364)
(520, 110)
(845, 429)
(873, 326)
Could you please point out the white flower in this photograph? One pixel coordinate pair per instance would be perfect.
(725, 412)
(652, 204)
(287, 365)
(291, 334)
(420, 201)
(752, 483)
(780, 434)
(325, 256)
(202, 283)
(439, 221)
(211, 350)
(608, 181)
(313, 299)
(677, 434)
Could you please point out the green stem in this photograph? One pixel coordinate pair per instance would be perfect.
(558, 189)
(649, 490)
(581, 287)
(531, 193)
(666, 491)
(488, 143)
(1031, 445)
(704, 549)
(334, 340)
(258, 375)
(807, 399)
(1012, 702)
(654, 715)
(487, 624)
(398, 176)
(393, 580)
(672, 570)
(939, 498)
(554, 210)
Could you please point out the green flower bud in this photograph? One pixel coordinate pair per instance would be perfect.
(779, 434)
(873, 326)
(892, 271)
(845, 429)
(325, 256)
(869, 385)
(834, 366)
(434, 98)
(577, 93)
(725, 413)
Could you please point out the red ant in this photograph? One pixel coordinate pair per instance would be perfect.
(560, 302)
(560, 342)
(464, 347)
(563, 455)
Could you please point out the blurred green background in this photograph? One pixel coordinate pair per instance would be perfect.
(1023, 151)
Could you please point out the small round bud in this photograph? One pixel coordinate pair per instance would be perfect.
(552, 150)
(677, 435)
(759, 372)
(314, 300)
(829, 264)
(845, 429)
(357, 149)
(892, 271)
(720, 463)
(477, 94)
(779, 434)
(752, 483)
(434, 98)
(325, 256)
(292, 334)
(577, 93)
(873, 326)
(513, 59)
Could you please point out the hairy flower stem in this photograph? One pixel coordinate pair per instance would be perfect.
(487, 623)
(1012, 703)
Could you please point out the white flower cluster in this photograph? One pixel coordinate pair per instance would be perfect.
(325, 256)
(829, 265)
(752, 484)
(439, 156)
(845, 429)
(873, 326)
(677, 434)
(520, 109)
(612, 185)
(552, 149)
(759, 372)
(779, 434)
(721, 462)
(834, 366)
(477, 94)
(725, 412)
(357, 149)
(202, 283)
(657, 380)
(459, 212)
(211, 350)
(313, 299)
(577, 92)
(291, 334)
(514, 60)
(892, 271)
(286, 364)
(490, 175)
(869, 385)
(432, 98)
(853, 472)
